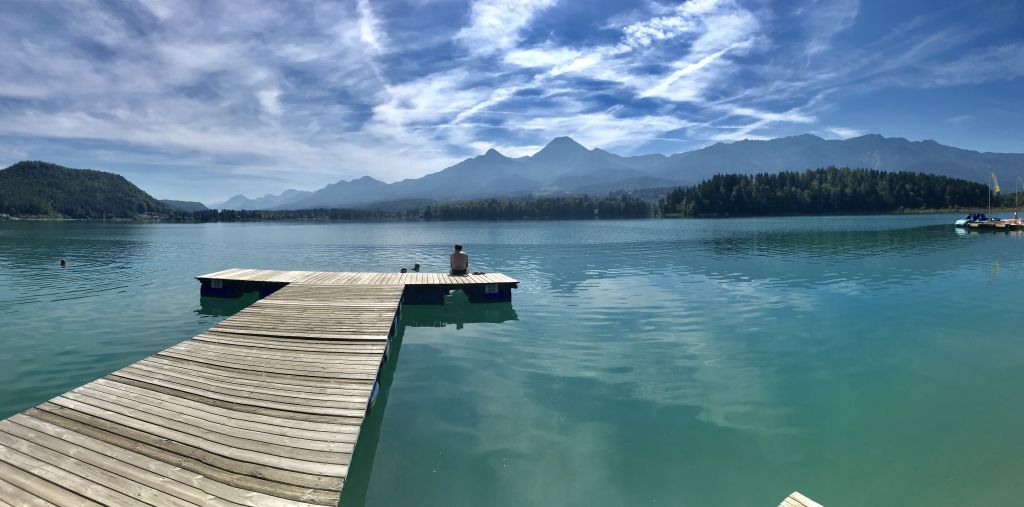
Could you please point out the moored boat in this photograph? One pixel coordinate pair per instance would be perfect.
(980, 221)
(971, 220)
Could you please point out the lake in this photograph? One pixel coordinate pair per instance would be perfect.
(860, 360)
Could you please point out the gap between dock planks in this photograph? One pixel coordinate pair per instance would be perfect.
(265, 408)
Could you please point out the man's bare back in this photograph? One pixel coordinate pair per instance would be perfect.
(459, 261)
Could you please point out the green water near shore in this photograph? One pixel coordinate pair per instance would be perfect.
(860, 360)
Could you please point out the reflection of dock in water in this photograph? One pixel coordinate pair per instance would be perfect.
(264, 408)
(458, 312)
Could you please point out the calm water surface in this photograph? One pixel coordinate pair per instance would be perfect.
(862, 361)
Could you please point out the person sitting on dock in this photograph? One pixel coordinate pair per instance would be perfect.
(459, 261)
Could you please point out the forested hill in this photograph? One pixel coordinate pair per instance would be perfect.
(822, 191)
(184, 205)
(546, 208)
(34, 188)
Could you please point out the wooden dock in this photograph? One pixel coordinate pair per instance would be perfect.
(265, 408)
(420, 288)
(796, 499)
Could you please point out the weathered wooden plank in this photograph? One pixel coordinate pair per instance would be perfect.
(213, 443)
(19, 497)
(340, 363)
(340, 328)
(214, 381)
(268, 367)
(338, 371)
(174, 480)
(34, 483)
(291, 409)
(86, 492)
(254, 342)
(291, 358)
(186, 420)
(285, 415)
(253, 479)
(310, 403)
(276, 378)
(265, 424)
(13, 438)
(295, 334)
(302, 384)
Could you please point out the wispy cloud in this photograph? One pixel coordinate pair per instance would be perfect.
(956, 120)
(369, 27)
(994, 62)
(845, 132)
(824, 19)
(495, 24)
(317, 91)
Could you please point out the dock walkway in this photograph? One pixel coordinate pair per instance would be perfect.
(265, 408)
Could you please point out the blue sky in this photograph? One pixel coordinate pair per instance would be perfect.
(204, 99)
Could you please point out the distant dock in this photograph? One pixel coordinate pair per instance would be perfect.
(265, 408)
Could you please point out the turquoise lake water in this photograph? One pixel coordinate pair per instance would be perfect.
(859, 360)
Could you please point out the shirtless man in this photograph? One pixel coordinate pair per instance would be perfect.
(459, 261)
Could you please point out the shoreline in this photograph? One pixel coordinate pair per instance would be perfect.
(399, 219)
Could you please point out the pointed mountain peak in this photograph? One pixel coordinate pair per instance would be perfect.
(561, 148)
(366, 179)
(564, 143)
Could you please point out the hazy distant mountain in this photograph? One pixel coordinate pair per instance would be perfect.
(566, 166)
(486, 175)
(867, 152)
(562, 166)
(559, 157)
(347, 193)
(184, 205)
(269, 201)
(43, 189)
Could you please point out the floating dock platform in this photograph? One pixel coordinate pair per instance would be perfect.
(420, 288)
(995, 225)
(264, 408)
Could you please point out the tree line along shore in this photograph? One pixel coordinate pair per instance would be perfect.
(47, 191)
(828, 191)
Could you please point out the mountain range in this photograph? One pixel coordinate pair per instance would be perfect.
(565, 166)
